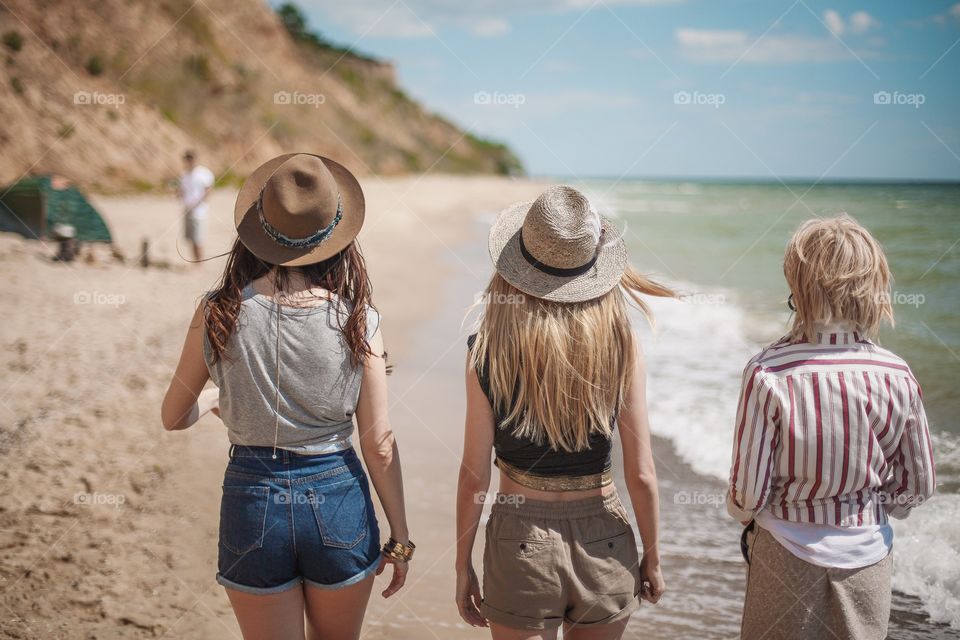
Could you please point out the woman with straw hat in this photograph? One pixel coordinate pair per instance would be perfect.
(292, 340)
(553, 371)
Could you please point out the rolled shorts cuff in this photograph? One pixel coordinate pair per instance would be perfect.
(498, 616)
(363, 575)
(626, 612)
(259, 591)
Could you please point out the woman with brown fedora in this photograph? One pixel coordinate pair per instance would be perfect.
(292, 340)
(553, 371)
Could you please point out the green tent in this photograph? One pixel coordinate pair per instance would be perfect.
(32, 206)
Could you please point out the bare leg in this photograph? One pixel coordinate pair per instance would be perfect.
(500, 632)
(612, 631)
(337, 614)
(277, 616)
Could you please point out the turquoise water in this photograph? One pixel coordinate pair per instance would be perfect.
(723, 243)
(732, 235)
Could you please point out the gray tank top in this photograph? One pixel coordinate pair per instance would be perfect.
(319, 386)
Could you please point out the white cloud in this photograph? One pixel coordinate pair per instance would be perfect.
(941, 19)
(859, 22)
(834, 21)
(489, 27)
(708, 38)
(729, 46)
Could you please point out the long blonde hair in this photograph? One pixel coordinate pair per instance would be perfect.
(559, 370)
(836, 272)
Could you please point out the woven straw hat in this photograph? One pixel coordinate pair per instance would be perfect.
(558, 247)
(299, 209)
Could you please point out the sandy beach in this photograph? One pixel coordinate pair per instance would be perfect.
(108, 526)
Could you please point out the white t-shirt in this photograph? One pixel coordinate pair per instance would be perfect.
(828, 546)
(193, 185)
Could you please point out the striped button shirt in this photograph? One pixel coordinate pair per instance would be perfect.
(831, 432)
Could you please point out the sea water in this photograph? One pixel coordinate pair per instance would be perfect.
(721, 244)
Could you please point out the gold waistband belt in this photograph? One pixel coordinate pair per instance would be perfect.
(555, 483)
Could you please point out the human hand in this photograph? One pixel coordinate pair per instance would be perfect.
(469, 598)
(651, 580)
(399, 574)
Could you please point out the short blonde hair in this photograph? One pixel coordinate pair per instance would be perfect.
(836, 272)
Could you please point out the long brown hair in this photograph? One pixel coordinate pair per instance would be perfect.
(344, 275)
(561, 369)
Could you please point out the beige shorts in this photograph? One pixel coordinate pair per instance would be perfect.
(546, 563)
(194, 229)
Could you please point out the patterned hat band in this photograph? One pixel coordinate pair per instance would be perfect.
(308, 242)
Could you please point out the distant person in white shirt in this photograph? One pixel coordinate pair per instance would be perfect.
(195, 186)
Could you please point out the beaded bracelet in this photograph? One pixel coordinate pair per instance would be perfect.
(398, 551)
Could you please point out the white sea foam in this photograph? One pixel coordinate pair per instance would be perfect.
(695, 358)
(926, 556)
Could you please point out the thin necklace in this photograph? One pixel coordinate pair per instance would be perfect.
(276, 424)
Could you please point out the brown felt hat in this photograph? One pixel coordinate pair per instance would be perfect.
(558, 247)
(298, 209)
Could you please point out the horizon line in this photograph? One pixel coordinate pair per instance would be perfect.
(751, 179)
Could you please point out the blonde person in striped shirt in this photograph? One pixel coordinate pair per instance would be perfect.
(830, 440)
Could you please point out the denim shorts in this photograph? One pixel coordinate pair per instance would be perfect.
(299, 518)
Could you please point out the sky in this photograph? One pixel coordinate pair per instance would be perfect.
(772, 89)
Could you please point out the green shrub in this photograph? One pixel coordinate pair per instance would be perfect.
(293, 20)
(17, 85)
(13, 40)
(199, 66)
(94, 65)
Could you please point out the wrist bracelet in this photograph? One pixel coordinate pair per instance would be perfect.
(398, 551)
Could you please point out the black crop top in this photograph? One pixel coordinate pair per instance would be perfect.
(540, 459)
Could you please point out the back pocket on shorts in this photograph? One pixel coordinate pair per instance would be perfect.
(617, 545)
(243, 518)
(341, 512)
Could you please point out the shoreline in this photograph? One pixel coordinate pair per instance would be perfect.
(115, 521)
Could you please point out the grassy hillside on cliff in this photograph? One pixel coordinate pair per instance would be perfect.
(110, 93)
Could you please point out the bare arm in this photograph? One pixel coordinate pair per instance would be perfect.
(379, 449)
(184, 403)
(640, 475)
(473, 484)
